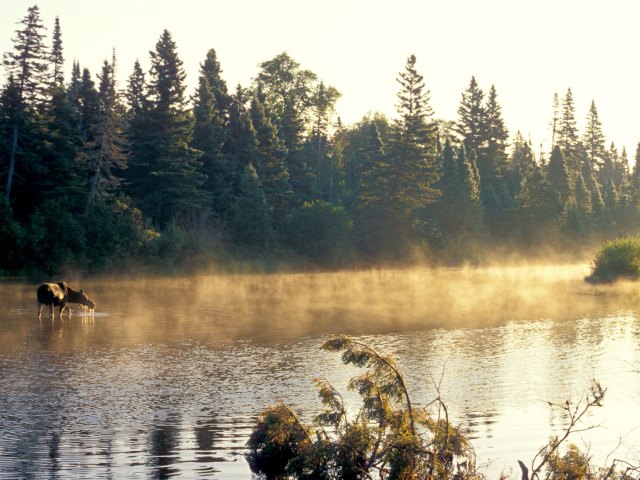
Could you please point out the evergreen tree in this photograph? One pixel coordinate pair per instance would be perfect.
(135, 92)
(270, 161)
(522, 164)
(57, 59)
(106, 153)
(62, 179)
(211, 134)
(166, 179)
(497, 134)
(469, 178)
(471, 126)
(538, 208)
(555, 120)
(593, 139)
(413, 147)
(28, 63)
(493, 162)
(74, 84)
(242, 145)
(27, 67)
(88, 104)
(559, 179)
(373, 211)
(210, 70)
(568, 139)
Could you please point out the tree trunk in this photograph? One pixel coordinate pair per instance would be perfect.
(12, 163)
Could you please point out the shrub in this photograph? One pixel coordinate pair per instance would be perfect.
(387, 438)
(618, 258)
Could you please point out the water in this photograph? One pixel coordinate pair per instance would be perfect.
(168, 377)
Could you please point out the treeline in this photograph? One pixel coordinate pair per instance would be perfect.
(99, 176)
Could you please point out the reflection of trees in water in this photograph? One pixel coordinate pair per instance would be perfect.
(163, 440)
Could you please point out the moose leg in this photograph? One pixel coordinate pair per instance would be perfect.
(39, 310)
(51, 313)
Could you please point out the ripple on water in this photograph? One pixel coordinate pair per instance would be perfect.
(155, 393)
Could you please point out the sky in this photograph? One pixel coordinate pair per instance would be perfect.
(528, 49)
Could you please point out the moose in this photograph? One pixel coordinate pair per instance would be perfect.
(59, 295)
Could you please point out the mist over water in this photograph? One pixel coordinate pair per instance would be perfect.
(168, 377)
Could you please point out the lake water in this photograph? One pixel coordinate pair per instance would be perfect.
(169, 375)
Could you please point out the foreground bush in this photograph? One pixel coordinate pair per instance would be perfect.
(616, 259)
(387, 438)
(390, 438)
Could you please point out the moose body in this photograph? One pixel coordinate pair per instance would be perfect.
(59, 295)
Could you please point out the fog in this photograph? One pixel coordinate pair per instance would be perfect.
(217, 349)
(274, 307)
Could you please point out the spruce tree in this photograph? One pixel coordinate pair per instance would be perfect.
(242, 145)
(57, 59)
(522, 164)
(27, 68)
(555, 120)
(497, 134)
(568, 139)
(593, 139)
(106, 153)
(559, 179)
(135, 92)
(167, 179)
(211, 134)
(413, 145)
(471, 126)
(88, 104)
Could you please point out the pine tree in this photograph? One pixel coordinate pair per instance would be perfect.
(135, 93)
(373, 212)
(211, 134)
(27, 67)
(555, 120)
(522, 164)
(559, 179)
(497, 134)
(57, 59)
(88, 104)
(62, 180)
(469, 178)
(472, 123)
(107, 151)
(593, 139)
(166, 177)
(412, 149)
(568, 139)
(74, 84)
(28, 63)
(242, 145)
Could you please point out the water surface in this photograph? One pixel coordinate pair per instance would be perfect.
(168, 377)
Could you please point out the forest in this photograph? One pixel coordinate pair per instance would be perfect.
(99, 177)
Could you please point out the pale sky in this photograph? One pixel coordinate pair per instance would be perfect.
(528, 48)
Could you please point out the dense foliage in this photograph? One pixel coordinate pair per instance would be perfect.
(98, 174)
(616, 259)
